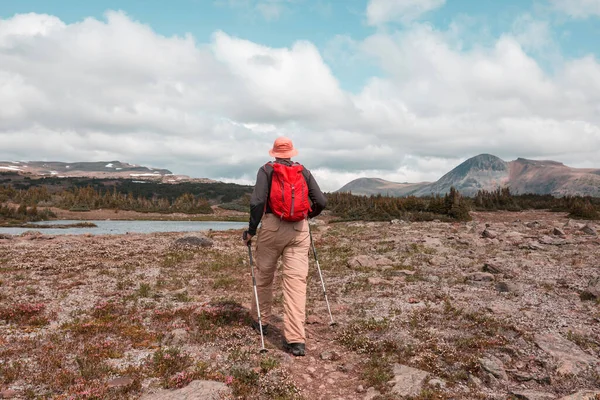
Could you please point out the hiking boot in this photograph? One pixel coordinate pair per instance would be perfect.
(265, 328)
(296, 349)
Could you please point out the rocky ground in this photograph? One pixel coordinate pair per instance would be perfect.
(503, 307)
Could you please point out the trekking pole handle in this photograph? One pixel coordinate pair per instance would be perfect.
(245, 237)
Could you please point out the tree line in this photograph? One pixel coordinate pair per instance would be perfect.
(98, 194)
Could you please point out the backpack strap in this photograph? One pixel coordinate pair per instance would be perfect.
(269, 181)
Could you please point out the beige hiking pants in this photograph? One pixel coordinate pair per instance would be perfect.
(291, 241)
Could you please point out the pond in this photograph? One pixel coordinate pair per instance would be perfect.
(109, 227)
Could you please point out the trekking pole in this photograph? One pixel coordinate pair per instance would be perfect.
(312, 243)
(262, 338)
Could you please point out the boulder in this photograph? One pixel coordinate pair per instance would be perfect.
(120, 382)
(534, 245)
(583, 395)
(489, 234)
(196, 390)
(494, 366)
(508, 287)
(193, 242)
(558, 232)
(532, 395)
(179, 336)
(30, 235)
(492, 268)
(593, 290)
(570, 358)
(376, 281)
(589, 230)
(480, 277)
(371, 393)
(362, 261)
(330, 356)
(407, 381)
(533, 224)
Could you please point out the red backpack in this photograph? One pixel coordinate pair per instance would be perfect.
(288, 197)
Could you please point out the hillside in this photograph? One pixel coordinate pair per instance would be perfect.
(94, 169)
(488, 172)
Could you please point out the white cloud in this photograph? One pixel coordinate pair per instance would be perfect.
(382, 11)
(532, 34)
(267, 9)
(577, 8)
(116, 90)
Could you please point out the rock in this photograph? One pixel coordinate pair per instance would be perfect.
(382, 261)
(508, 287)
(407, 381)
(583, 395)
(558, 232)
(7, 394)
(330, 356)
(193, 242)
(31, 235)
(494, 366)
(179, 336)
(196, 390)
(592, 292)
(589, 230)
(489, 234)
(378, 281)
(435, 382)
(547, 240)
(397, 222)
(401, 272)
(120, 382)
(533, 224)
(534, 245)
(475, 381)
(480, 277)
(572, 224)
(5, 236)
(372, 393)
(362, 261)
(492, 268)
(314, 320)
(360, 389)
(569, 357)
(532, 395)
(522, 376)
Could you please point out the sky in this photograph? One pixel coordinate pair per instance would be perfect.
(403, 90)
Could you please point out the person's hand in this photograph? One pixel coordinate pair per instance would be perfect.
(246, 238)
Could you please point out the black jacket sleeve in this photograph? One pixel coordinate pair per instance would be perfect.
(318, 199)
(258, 200)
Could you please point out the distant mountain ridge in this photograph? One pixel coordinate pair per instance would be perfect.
(488, 172)
(94, 169)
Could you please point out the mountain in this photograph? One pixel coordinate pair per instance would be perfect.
(488, 172)
(369, 186)
(97, 169)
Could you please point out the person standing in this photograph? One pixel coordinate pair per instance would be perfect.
(285, 196)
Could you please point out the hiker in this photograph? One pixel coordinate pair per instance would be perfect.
(285, 196)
